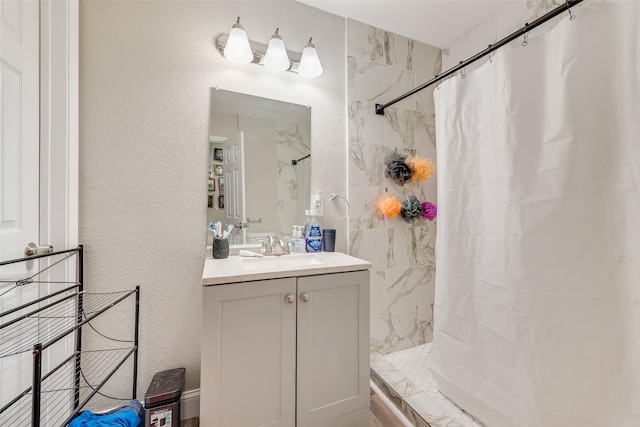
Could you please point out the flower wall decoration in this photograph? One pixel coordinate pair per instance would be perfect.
(429, 210)
(389, 207)
(411, 209)
(397, 168)
(422, 168)
(403, 172)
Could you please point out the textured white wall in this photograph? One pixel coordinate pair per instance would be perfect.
(145, 72)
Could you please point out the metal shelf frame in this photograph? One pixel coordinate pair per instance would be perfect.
(63, 312)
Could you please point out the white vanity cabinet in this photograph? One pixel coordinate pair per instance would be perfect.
(286, 352)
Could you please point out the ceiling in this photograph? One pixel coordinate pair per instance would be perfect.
(435, 22)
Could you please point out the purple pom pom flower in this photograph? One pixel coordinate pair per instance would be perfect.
(429, 211)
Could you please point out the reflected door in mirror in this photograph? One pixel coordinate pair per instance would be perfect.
(234, 193)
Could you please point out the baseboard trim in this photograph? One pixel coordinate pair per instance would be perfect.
(190, 404)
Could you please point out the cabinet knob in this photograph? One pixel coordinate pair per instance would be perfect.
(305, 297)
(290, 299)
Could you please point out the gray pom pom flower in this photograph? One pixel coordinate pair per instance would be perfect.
(397, 168)
(411, 209)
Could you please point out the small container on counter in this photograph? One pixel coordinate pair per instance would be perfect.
(329, 239)
(220, 248)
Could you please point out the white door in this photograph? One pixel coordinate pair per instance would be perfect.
(19, 177)
(19, 126)
(333, 350)
(38, 149)
(234, 201)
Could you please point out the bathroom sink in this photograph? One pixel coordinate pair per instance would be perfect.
(284, 262)
(238, 269)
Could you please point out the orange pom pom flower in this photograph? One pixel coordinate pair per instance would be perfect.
(390, 207)
(422, 168)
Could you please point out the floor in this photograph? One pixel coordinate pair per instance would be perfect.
(405, 378)
(381, 415)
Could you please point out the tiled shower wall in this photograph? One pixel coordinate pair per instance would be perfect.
(381, 67)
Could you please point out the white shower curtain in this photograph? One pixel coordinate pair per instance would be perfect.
(537, 309)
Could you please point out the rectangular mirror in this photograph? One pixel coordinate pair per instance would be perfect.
(259, 165)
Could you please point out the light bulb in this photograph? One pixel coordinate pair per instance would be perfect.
(237, 48)
(310, 66)
(276, 58)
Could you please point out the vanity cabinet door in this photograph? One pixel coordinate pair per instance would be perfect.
(333, 350)
(248, 354)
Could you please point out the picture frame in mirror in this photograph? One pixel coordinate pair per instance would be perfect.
(217, 170)
(218, 155)
(221, 201)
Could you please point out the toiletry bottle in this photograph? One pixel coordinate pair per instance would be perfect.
(297, 243)
(313, 235)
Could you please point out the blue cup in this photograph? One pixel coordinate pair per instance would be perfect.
(329, 239)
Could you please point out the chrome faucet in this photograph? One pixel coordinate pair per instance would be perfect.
(271, 246)
(267, 245)
(280, 248)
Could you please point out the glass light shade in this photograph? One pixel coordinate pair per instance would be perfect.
(276, 58)
(238, 48)
(310, 66)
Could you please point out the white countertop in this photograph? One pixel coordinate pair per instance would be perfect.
(236, 269)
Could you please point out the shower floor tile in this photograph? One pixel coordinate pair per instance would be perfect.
(407, 377)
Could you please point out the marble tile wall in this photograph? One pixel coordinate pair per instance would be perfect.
(382, 66)
(292, 143)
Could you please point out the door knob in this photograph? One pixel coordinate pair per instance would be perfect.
(290, 299)
(305, 297)
(33, 249)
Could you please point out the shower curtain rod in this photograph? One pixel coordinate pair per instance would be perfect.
(522, 31)
(295, 162)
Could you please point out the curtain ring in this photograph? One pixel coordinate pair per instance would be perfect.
(491, 54)
(462, 73)
(571, 15)
(526, 35)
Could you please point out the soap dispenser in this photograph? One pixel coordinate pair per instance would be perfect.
(297, 242)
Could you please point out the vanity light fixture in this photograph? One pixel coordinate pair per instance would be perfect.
(276, 58)
(310, 66)
(273, 56)
(237, 48)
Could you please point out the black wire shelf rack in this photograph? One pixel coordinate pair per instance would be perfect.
(58, 389)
